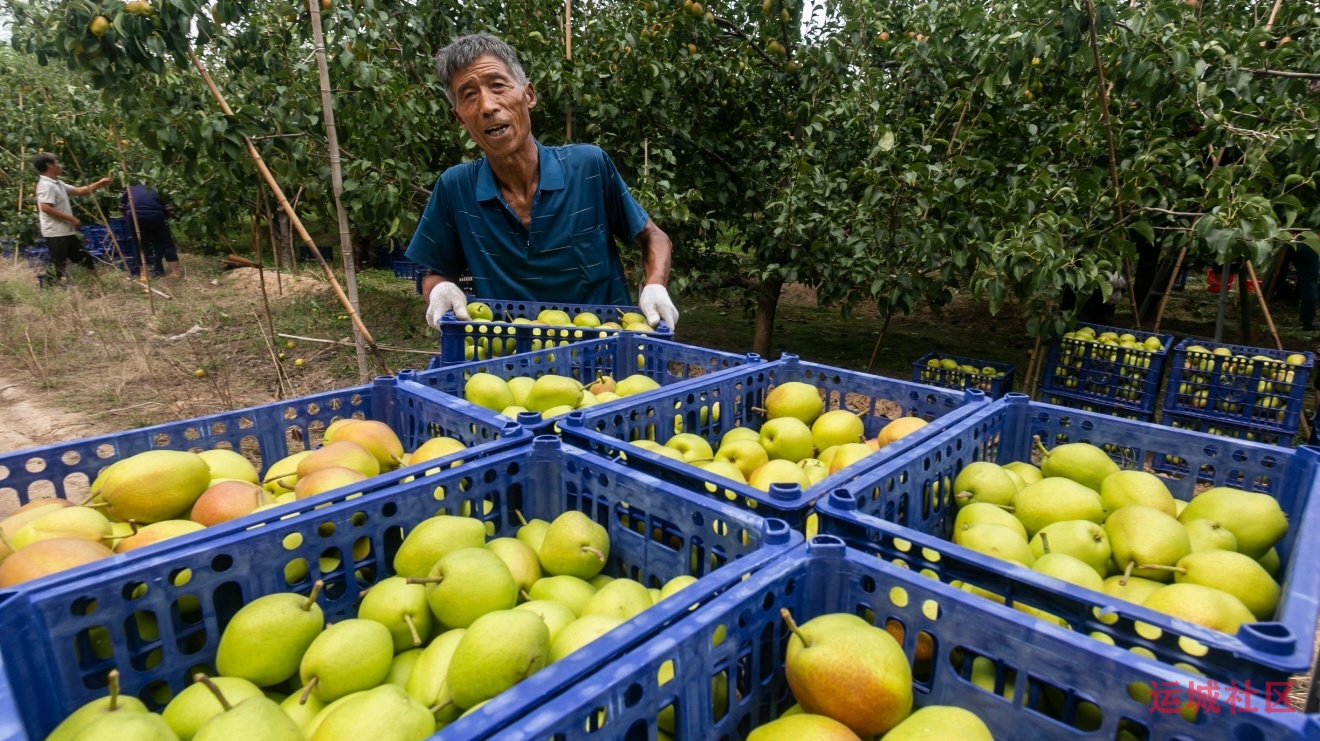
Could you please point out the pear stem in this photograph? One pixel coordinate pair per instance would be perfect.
(1162, 567)
(113, 679)
(962, 495)
(224, 703)
(280, 483)
(133, 525)
(1007, 507)
(701, 460)
(417, 639)
(793, 627)
(437, 708)
(307, 691)
(94, 505)
(425, 579)
(521, 519)
(596, 551)
(311, 598)
(1040, 446)
(1127, 573)
(758, 410)
(1044, 542)
(526, 597)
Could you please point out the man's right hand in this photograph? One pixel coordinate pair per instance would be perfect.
(445, 297)
(73, 221)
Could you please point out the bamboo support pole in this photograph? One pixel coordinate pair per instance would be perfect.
(264, 208)
(1168, 289)
(337, 182)
(293, 217)
(114, 241)
(143, 270)
(22, 156)
(280, 378)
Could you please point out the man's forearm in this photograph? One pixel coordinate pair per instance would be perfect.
(431, 281)
(657, 252)
(50, 211)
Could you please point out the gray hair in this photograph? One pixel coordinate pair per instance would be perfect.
(465, 50)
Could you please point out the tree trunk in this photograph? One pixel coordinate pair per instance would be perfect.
(1244, 309)
(1147, 275)
(284, 231)
(767, 302)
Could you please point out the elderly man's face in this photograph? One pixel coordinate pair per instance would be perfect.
(493, 108)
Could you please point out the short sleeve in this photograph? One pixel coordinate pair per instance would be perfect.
(627, 218)
(67, 188)
(435, 243)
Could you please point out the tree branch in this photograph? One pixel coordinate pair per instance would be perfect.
(733, 28)
(1171, 213)
(1283, 73)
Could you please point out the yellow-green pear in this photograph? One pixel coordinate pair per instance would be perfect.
(489, 391)
(227, 464)
(789, 439)
(427, 685)
(999, 541)
(401, 667)
(1231, 573)
(127, 726)
(436, 447)
(1135, 487)
(848, 454)
(940, 723)
(339, 455)
(1081, 539)
(569, 591)
(332, 431)
(385, 713)
(1083, 463)
(984, 512)
(1201, 605)
(554, 318)
(433, 539)
(157, 532)
(694, 448)
(300, 712)
(1208, 535)
(101, 706)
(1144, 536)
(153, 486)
(227, 500)
(803, 726)
(794, 399)
(778, 472)
(498, 650)
(1066, 568)
(284, 473)
(533, 533)
(837, 427)
(400, 607)
(522, 561)
(600, 580)
(195, 705)
(1131, 588)
(467, 584)
(326, 479)
(1270, 562)
(556, 616)
(981, 481)
(82, 523)
(520, 387)
(266, 639)
(739, 433)
(349, 656)
(579, 633)
(376, 438)
(1017, 480)
(47, 557)
(635, 384)
(621, 598)
(255, 718)
(723, 469)
(1029, 473)
(719, 690)
(676, 585)
(25, 514)
(843, 667)
(1052, 500)
(574, 545)
(815, 470)
(550, 391)
(1254, 519)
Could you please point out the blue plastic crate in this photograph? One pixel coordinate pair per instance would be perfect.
(619, 356)
(738, 639)
(405, 269)
(713, 405)
(1116, 450)
(123, 231)
(37, 257)
(994, 386)
(1174, 465)
(1264, 394)
(904, 512)
(502, 337)
(1110, 374)
(656, 533)
(96, 238)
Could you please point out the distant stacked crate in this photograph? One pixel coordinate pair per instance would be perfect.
(995, 379)
(1108, 370)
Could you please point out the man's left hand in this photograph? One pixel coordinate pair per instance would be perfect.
(657, 306)
(102, 183)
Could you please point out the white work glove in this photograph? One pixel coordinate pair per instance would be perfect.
(656, 305)
(446, 297)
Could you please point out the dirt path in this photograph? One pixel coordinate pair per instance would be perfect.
(29, 418)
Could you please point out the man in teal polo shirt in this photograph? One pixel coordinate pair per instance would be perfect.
(530, 222)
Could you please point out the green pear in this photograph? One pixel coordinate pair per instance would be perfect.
(1135, 487)
(265, 640)
(1066, 568)
(226, 464)
(302, 713)
(1144, 536)
(427, 685)
(803, 726)
(655, 595)
(489, 391)
(550, 391)
(574, 545)
(256, 718)
(837, 427)
(569, 591)
(385, 713)
(1269, 561)
(693, 448)
(998, 541)
(1083, 463)
(349, 656)
(436, 447)
(1232, 573)
(556, 616)
(435, 538)
(794, 399)
(1029, 473)
(96, 709)
(621, 598)
(195, 705)
(635, 384)
(401, 667)
(977, 513)
(1201, 605)
(82, 523)
(521, 387)
(310, 729)
(1052, 500)
(127, 727)
(402, 608)
(1081, 539)
(499, 650)
(579, 633)
(153, 486)
(378, 439)
(1017, 480)
(1254, 519)
(1131, 588)
(940, 723)
(339, 455)
(523, 563)
(1208, 535)
(677, 584)
(600, 580)
(983, 482)
(739, 433)
(467, 584)
(843, 667)
(283, 474)
(744, 453)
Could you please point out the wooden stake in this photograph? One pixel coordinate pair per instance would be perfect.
(883, 329)
(137, 230)
(568, 54)
(1264, 308)
(293, 217)
(337, 181)
(1173, 278)
(263, 207)
(22, 157)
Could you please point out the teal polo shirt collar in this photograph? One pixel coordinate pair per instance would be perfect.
(551, 176)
